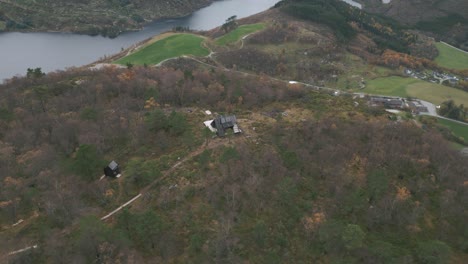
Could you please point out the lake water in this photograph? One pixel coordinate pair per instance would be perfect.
(55, 51)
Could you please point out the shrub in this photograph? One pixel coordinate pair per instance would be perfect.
(433, 252)
(89, 114)
(88, 163)
(229, 154)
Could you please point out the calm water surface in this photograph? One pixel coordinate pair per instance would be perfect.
(57, 51)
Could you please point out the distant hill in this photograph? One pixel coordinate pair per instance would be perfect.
(447, 19)
(413, 11)
(106, 17)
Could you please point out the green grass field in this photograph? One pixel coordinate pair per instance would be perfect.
(170, 47)
(409, 87)
(238, 33)
(458, 129)
(450, 57)
(394, 85)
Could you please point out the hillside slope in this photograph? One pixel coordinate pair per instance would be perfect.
(413, 11)
(447, 19)
(313, 178)
(104, 17)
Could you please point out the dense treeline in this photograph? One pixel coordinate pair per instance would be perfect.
(394, 60)
(451, 28)
(443, 19)
(59, 130)
(451, 110)
(370, 191)
(356, 188)
(67, 109)
(330, 13)
(346, 21)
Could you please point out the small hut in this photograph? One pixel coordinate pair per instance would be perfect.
(112, 170)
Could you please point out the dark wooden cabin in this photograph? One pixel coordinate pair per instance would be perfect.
(222, 123)
(112, 170)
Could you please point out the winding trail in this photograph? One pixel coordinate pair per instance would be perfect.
(22, 250)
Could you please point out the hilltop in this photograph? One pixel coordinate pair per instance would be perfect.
(108, 18)
(312, 177)
(318, 174)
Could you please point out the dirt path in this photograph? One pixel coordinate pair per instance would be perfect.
(243, 40)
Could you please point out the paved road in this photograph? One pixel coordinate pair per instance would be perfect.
(431, 111)
(431, 108)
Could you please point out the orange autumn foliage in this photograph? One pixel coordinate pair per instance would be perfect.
(395, 59)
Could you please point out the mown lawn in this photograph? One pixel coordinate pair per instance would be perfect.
(393, 85)
(458, 129)
(405, 87)
(238, 33)
(170, 47)
(450, 57)
(436, 93)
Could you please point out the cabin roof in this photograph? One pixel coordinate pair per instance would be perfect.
(113, 165)
(221, 123)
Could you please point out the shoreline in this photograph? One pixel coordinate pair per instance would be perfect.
(101, 28)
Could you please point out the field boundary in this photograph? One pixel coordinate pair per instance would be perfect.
(464, 51)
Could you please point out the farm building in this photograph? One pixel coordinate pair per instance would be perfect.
(417, 107)
(388, 102)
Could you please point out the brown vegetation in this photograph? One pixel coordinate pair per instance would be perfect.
(313, 178)
(393, 59)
